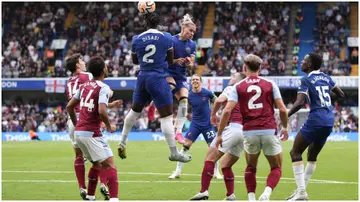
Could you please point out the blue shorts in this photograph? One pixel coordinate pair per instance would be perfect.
(154, 88)
(315, 134)
(180, 81)
(207, 132)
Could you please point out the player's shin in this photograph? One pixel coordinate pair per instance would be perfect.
(272, 180)
(229, 180)
(181, 115)
(129, 122)
(309, 170)
(207, 175)
(298, 168)
(250, 181)
(93, 180)
(180, 164)
(113, 182)
(103, 177)
(80, 171)
(167, 129)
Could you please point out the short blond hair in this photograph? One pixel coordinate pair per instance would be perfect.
(253, 62)
(187, 20)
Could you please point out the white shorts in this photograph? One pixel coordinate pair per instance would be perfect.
(270, 144)
(233, 139)
(71, 130)
(94, 148)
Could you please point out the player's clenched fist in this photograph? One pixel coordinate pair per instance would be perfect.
(284, 135)
(117, 103)
(214, 120)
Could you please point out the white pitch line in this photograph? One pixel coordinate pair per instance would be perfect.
(155, 181)
(166, 174)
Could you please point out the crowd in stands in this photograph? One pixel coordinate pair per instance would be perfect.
(330, 34)
(40, 117)
(106, 28)
(28, 30)
(242, 28)
(91, 28)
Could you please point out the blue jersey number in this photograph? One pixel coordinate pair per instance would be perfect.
(152, 49)
(210, 134)
(323, 94)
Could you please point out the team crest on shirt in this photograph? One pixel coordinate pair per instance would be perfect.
(188, 50)
(204, 98)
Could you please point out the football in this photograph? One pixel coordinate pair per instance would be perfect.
(145, 7)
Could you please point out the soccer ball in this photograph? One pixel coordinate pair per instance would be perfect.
(145, 7)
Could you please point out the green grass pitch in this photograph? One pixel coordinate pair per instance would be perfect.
(44, 171)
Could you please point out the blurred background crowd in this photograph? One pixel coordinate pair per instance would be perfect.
(272, 30)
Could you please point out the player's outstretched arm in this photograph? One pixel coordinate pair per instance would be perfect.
(338, 93)
(116, 103)
(70, 108)
(300, 100)
(104, 117)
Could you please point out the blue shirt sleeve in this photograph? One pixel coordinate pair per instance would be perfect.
(169, 40)
(331, 83)
(304, 86)
(193, 49)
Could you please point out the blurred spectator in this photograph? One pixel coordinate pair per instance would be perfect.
(330, 33)
(242, 28)
(33, 135)
(96, 28)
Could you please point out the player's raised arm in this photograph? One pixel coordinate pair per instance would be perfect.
(70, 108)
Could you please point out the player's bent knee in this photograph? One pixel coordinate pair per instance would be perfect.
(78, 153)
(183, 99)
(172, 86)
(295, 157)
(250, 169)
(312, 158)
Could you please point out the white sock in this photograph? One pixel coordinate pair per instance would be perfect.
(91, 198)
(114, 199)
(251, 196)
(179, 165)
(167, 129)
(298, 168)
(129, 122)
(309, 170)
(268, 190)
(181, 115)
(217, 167)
